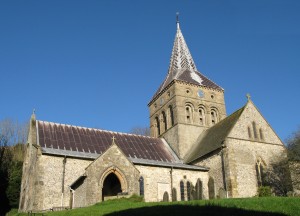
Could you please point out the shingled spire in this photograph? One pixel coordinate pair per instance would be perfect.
(182, 66)
(181, 57)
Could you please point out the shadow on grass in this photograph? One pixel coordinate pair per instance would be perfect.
(186, 210)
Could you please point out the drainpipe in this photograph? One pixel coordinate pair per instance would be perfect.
(63, 180)
(223, 167)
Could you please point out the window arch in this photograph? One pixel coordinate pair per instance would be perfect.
(214, 116)
(198, 190)
(259, 171)
(164, 120)
(141, 182)
(166, 197)
(201, 112)
(249, 133)
(171, 115)
(254, 130)
(261, 134)
(211, 188)
(157, 125)
(189, 113)
(174, 195)
(181, 190)
(188, 190)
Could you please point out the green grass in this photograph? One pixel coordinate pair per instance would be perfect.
(273, 206)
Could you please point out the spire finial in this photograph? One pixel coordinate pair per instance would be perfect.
(33, 115)
(248, 96)
(177, 19)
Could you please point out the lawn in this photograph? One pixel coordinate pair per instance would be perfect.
(273, 206)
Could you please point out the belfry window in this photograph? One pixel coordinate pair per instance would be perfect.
(189, 113)
(171, 115)
(201, 116)
(181, 190)
(213, 116)
(164, 118)
(157, 125)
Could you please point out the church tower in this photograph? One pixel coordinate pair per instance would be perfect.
(186, 103)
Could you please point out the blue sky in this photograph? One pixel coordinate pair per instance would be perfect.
(98, 63)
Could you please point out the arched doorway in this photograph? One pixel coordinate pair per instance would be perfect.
(111, 186)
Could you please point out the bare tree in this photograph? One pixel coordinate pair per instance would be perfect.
(145, 131)
(12, 132)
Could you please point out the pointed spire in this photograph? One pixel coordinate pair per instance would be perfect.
(33, 115)
(182, 66)
(181, 57)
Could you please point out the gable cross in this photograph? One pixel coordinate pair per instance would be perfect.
(248, 96)
(113, 139)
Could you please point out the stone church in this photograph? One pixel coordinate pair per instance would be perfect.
(195, 150)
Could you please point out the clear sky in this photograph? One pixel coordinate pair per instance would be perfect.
(98, 63)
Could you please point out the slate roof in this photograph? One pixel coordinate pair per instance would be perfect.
(213, 137)
(83, 142)
(182, 67)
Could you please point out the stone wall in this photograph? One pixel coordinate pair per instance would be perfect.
(111, 161)
(182, 135)
(158, 180)
(55, 192)
(244, 150)
(242, 166)
(214, 162)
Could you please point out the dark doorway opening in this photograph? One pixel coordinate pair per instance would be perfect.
(111, 186)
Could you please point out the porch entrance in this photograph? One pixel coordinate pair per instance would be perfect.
(111, 187)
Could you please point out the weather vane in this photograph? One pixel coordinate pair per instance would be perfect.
(177, 17)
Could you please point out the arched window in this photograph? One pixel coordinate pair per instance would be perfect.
(188, 190)
(141, 181)
(171, 115)
(181, 191)
(259, 172)
(198, 190)
(213, 116)
(164, 118)
(157, 125)
(189, 113)
(201, 112)
(249, 133)
(174, 195)
(211, 188)
(261, 134)
(166, 197)
(254, 130)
